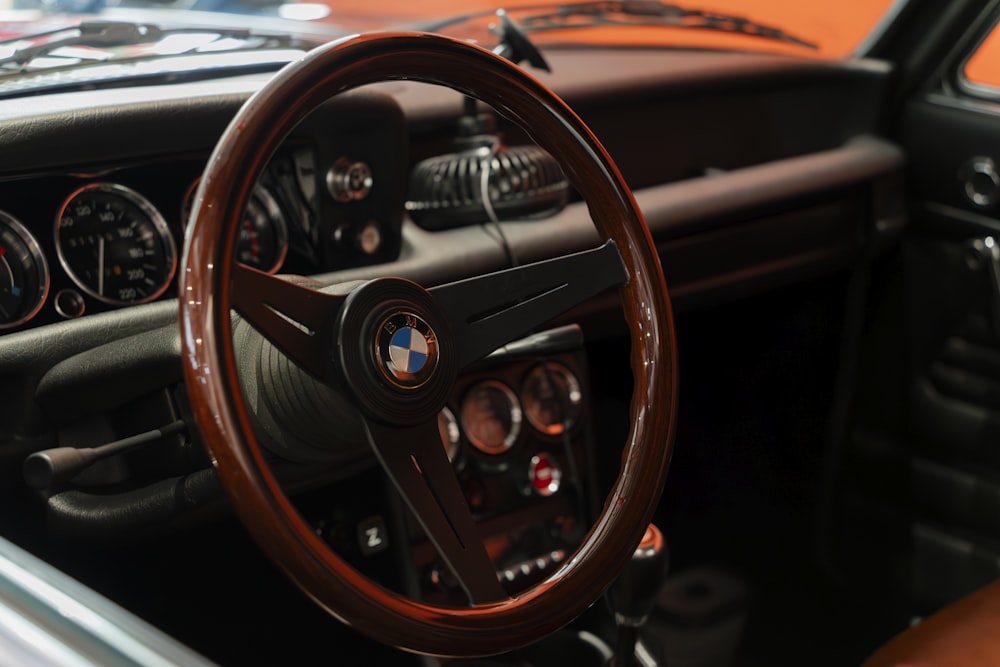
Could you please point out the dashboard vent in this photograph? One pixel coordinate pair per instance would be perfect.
(519, 182)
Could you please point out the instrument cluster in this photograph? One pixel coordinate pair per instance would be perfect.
(109, 244)
(518, 435)
(533, 405)
(82, 239)
(492, 413)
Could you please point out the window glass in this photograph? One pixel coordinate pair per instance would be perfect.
(983, 68)
(835, 28)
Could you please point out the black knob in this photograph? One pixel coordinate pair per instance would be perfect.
(634, 592)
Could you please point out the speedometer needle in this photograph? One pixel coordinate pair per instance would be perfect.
(100, 266)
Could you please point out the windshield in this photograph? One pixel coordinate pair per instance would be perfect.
(829, 30)
(835, 29)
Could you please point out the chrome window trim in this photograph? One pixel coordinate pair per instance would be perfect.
(48, 618)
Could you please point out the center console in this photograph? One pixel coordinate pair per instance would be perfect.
(517, 432)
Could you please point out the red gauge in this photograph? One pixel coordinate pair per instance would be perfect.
(491, 417)
(552, 398)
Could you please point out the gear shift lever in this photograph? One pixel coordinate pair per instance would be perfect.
(633, 594)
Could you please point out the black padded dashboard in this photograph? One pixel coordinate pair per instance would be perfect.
(700, 136)
(752, 171)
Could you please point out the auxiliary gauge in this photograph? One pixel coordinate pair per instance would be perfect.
(24, 274)
(491, 417)
(263, 239)
(115, 245)
(552, 398)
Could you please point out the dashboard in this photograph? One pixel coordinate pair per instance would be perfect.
(98, 187)
(94, 240)
(749, 170)
(825, 230)
(154, 142)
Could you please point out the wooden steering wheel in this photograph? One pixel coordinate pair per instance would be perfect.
(342, 339)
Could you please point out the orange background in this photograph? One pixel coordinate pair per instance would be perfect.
(836, 27)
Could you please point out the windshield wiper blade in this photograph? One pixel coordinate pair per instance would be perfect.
(20, 51)
(598, 13)
(653, 12)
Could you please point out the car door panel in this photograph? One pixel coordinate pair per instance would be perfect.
(930, 471)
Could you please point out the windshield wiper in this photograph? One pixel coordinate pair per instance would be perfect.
(21, 51)
(600, 13)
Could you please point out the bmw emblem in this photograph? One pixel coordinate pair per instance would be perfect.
(406, 350)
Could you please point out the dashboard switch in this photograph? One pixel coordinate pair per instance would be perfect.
(544, 474)
(370, 238)
(349, 181)
(367, 240)
(981, 181)
(373, 537)
(70, 303)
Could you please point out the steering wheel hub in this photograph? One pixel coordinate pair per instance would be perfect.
(406, 350)
(395, 351)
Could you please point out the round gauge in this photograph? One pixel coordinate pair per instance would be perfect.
(115, 245)
(491, 417)
(552, 398)
(450, 435)
(24, 274)
(263, 239)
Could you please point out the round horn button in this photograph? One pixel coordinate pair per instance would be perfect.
(406, 350)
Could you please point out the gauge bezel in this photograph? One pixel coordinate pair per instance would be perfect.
(571, 381)
(152, 214)
(453, 446)
(41, 265)
(265, 197)
(277, 221)
(516, 418)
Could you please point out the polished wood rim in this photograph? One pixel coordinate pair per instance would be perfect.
(210, 367)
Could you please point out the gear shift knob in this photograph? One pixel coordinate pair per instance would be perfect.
(634, 592)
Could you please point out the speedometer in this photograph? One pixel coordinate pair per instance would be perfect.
(115, 245)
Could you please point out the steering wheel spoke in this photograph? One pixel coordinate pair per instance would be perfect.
(296, 318)
(489, 311)
(419, 468)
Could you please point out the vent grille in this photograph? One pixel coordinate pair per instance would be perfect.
(523, 182)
